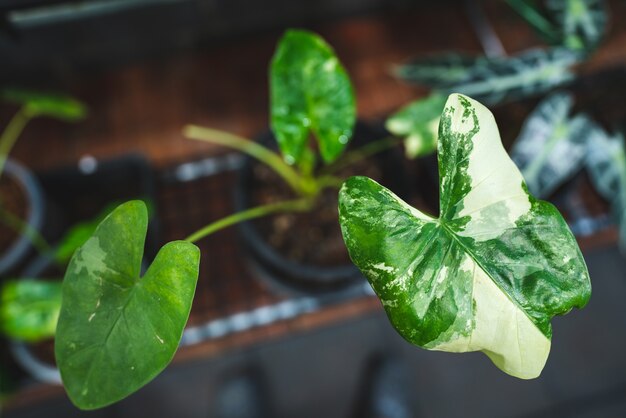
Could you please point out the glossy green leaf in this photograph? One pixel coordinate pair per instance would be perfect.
(42, 104)
(418, 123)
(552, 145)
(496, 79)
(310, 91)
(490, 272)
(606, 162)
(29, 309)
(118, 330)
(581, 23)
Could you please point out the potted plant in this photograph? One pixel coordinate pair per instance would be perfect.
(311, 99)
(21, 200)
(442, 281)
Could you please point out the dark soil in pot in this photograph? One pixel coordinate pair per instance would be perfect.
(304, 252)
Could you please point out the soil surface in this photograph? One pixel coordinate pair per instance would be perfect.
(312, 237)
(13, 200)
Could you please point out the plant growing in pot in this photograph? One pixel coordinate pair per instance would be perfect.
(487, 275)
(313, 116)
(21, 200)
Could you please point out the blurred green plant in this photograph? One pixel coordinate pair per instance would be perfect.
(117, 331)
(29, 309)
(33, 104)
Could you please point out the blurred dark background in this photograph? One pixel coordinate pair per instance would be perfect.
(145, 68)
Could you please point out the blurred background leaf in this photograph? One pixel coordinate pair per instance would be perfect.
(551, 145)
(494, 80)
(47, 104)
(30, 309)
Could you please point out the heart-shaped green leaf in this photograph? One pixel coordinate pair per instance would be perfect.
(490, 272)
(418, 123)
(310, 91)
(29, 309)
(117, 330)
(47, 104)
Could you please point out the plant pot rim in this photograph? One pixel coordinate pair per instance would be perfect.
(282, 273)
(34, 217)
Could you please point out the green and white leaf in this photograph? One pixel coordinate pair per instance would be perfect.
(442, 71)
(29, 309)
(606, 162)
(47, 104)
(581, 23)
(117, 330)
(488, 274)
(418, 123)
(551, 146)
(496, 79)
(310, 92)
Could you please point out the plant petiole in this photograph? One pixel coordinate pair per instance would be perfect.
(297, 205)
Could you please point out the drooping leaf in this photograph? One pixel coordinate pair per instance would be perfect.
(50, 104)
(29, 309)
(496, 79)
(490, 272)
(552, 145)
(418, 123)
(581, 23)
(606, 162)
(310, 91)
(117, 330)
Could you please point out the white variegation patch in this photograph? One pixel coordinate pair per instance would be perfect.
(496, 183)
(501, 330)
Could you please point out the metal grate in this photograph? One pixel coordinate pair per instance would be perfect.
(229, 298)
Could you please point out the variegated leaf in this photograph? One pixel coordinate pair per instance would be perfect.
(606, 161)
(582, 23)
(310, 92)
(551, 146)
(497, 79)
(117, 330)
(488, 274)
(418, 123)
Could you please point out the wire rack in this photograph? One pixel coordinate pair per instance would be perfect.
(229, 297)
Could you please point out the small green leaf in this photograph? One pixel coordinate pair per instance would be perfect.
(497, 79)
(488, 274)
(118, 330)
(53, 105)
(418, 123)
(552, 145)
(606, 161)
(310, 92)
(29, 309)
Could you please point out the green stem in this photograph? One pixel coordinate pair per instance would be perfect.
(298, 205)
(273, 160)
(359, 154)
(18, 225)
(12, 132)
(532, 16)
